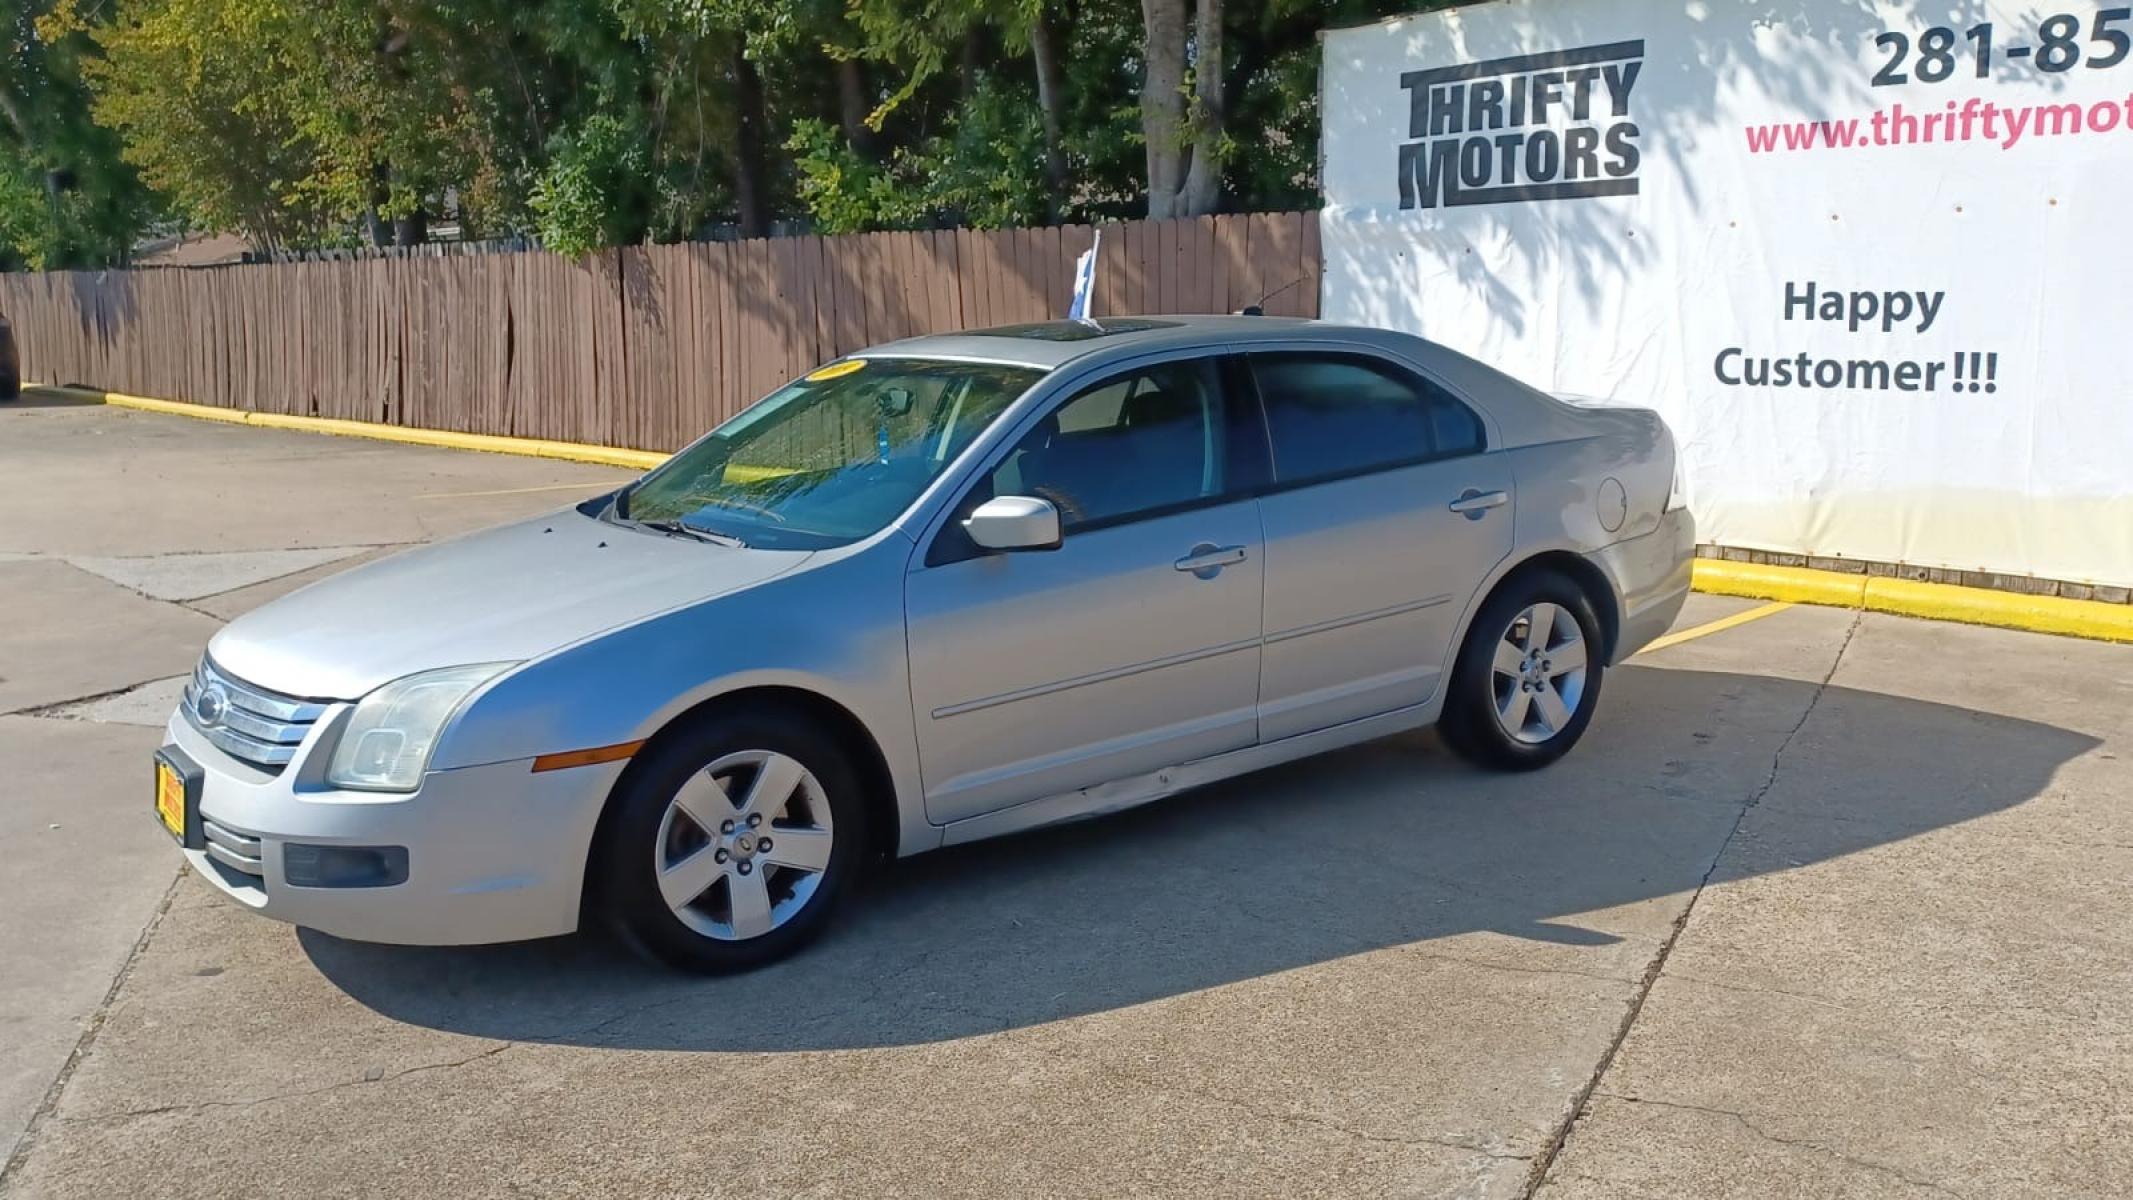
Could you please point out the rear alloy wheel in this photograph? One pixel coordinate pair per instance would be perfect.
(1538, 674)
(731, 843)
(1528, 678)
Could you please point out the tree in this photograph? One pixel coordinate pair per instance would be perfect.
(1182, 118)
(66, 197)
(592, 123)
(279, 118)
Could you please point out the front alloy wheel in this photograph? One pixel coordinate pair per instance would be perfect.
(744, 845)
(730, 840)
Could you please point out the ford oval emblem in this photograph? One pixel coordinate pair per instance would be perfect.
(210, 705)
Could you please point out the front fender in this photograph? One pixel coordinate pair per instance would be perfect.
(834, 628)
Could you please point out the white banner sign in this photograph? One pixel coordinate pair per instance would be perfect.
(1875, 264)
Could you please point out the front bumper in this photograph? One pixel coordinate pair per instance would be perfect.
(496, 853)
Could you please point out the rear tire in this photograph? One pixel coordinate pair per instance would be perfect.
(685, 876)
(1528, 677)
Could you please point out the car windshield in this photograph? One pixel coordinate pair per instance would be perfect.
(830, 457)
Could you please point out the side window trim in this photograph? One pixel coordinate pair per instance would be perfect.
(1344, 350)
(941, 546)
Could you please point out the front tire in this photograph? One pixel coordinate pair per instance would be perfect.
(1528, 678)
(732, 841)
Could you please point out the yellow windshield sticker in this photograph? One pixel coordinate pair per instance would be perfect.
(836, 370)
(739, 473)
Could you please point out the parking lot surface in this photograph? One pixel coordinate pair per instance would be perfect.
(1825, 904)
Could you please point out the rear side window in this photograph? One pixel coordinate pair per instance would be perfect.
(1336, 415)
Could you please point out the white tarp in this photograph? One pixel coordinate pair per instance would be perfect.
(1875, 264)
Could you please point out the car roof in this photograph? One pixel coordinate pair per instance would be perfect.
(1051, 344)
(1523, 413)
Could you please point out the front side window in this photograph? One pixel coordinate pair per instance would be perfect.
(1152, 439)
(831, 457)
(1331, 416)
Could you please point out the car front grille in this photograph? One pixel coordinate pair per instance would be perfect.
(248, 723)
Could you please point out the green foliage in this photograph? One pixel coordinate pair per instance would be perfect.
(986, 173)
(205, 94)
(592, 189)
(843, 190)
(590, 123)
(66, 198)
(1280, 171)
(26, 224)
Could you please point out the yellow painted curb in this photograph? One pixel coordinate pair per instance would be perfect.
(607, 456)
(1796, 584)
(2009, 610)
(1915, 598)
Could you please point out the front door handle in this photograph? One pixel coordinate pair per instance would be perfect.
(1475, 504)
(1208, 559)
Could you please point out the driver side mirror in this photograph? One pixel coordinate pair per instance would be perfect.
(1014, 523)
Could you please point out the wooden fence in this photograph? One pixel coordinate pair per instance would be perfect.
(642, 347)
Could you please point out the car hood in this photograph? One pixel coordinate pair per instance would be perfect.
(505, 595)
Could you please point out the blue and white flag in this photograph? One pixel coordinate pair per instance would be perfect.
(1084, 280)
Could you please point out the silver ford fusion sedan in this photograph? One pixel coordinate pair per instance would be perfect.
(941, 590)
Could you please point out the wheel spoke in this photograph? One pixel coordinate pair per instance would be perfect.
(1568, 657)
(803, 849)
(682, 882)
(1510, 659)
(775, 782)
(751, 904)
(703, 801)
(1513, 709)
(1553, 711)
(1540, 625)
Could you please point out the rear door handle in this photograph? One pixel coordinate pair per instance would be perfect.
(1475, 504)
(1207, 559)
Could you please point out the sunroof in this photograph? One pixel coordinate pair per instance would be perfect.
(1073, 331)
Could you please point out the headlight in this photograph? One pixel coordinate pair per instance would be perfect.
(385, 747)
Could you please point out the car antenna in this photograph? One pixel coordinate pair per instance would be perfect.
(1257, 308)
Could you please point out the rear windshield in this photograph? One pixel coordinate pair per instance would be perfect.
(830, 457)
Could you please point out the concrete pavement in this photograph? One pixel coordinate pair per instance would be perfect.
(128, 540)
(1824, 905)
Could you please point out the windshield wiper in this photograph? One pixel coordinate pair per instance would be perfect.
(684, 529)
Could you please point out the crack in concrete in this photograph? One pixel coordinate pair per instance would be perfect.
(49, 708)
(197, 1107)
(1546, 1160)
(563, 1038)
(189, 603)
(1822, 1148)
(358, 548)
(49, 1104)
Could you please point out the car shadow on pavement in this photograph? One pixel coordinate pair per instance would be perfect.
(1387, 844)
